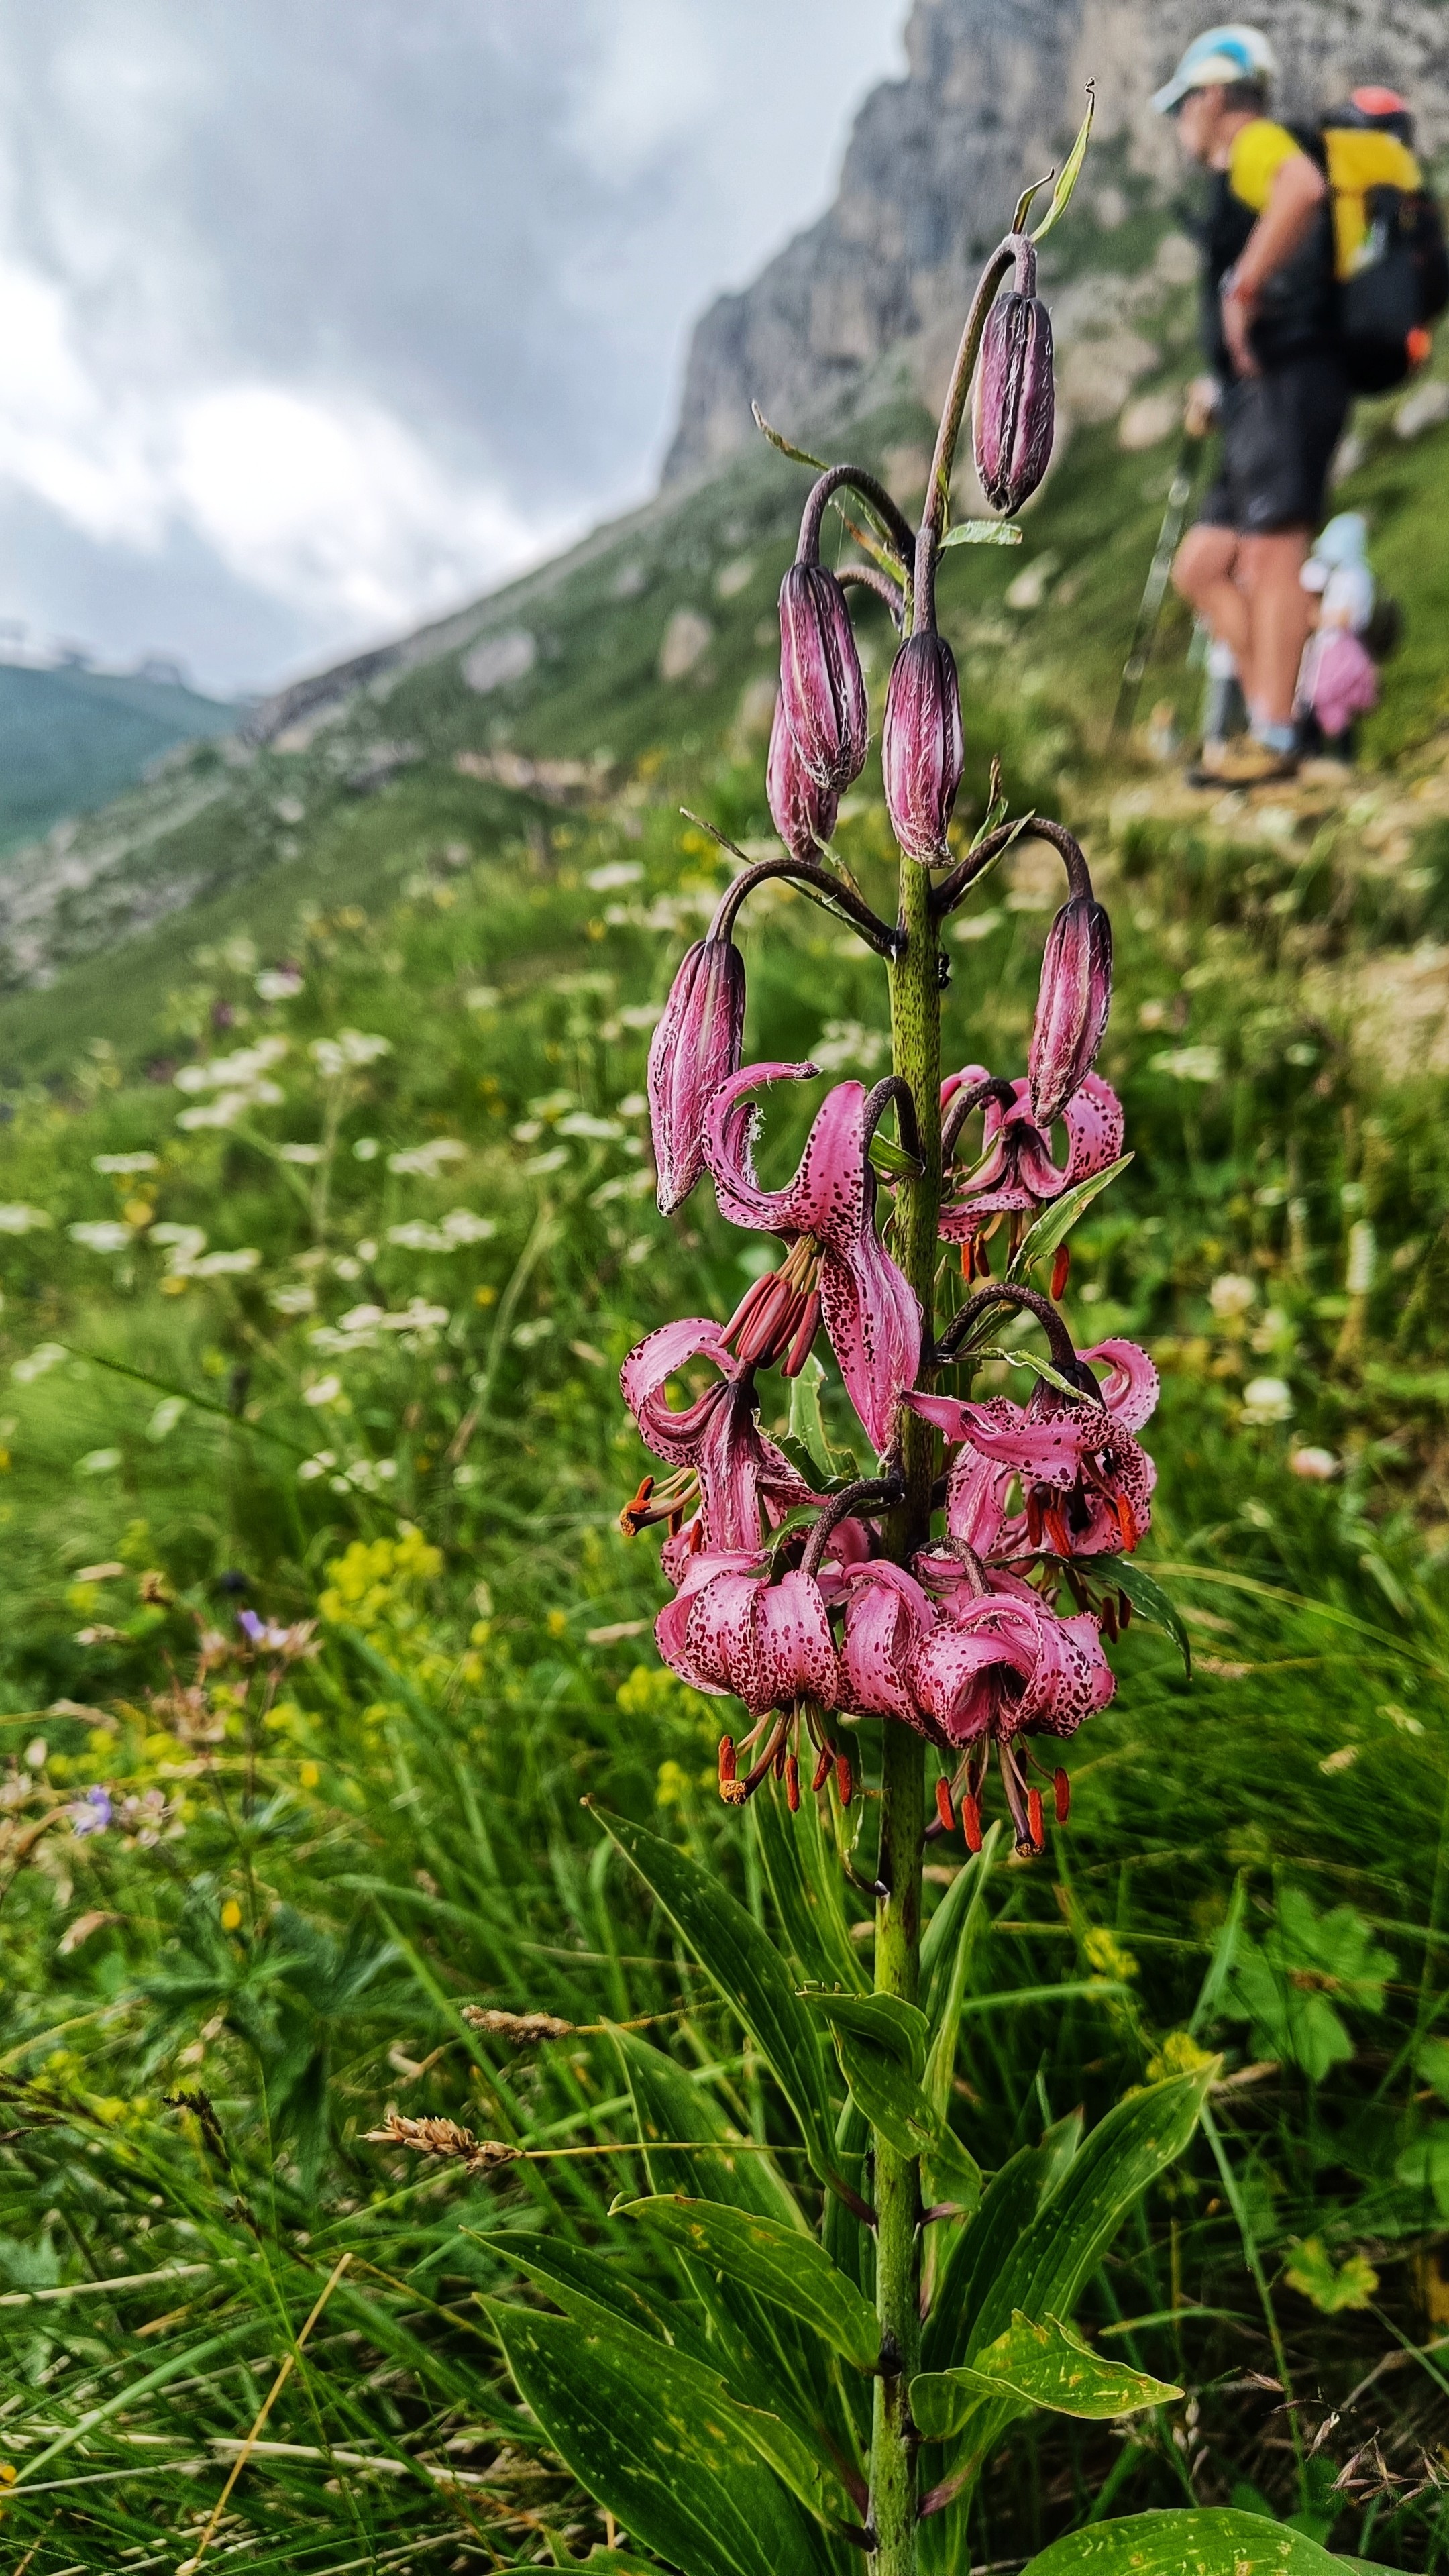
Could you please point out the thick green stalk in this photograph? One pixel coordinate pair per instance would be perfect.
(915, 1023)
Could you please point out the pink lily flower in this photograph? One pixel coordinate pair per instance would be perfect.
(723, 1458)
(1086, 1482)
(888, 1615)
(1016, 1175)
(835, 1265)
(730, 1629)
(1001, 1668)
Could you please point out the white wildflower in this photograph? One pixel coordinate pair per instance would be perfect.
(1362, 1255)
(102, 1234)
(36, 1362)
(242, 1070)
(1316, 1464)
(641, 1016)
(845, 1042)
(166, 1416)
(482, 997)
(1231, 1295)
(226, 1265)
(278, 984)
(628, 1185)
(98, 1462)
(361, 1319)
(633, 1105)
(425, 1162)
(977, 925)
(122, 1163)
(19, 1219)
(581, 1122)
(311, 1468)
(538, 1329)
(300, 1153)
(619, 872)
(1267, 1399)
(325, 1391)
(349, 1049)
(416, 1317)
(300, 1300)
(185, 1241)
(367, 1149)
(553, 1161)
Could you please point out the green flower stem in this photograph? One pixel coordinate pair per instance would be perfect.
(916, 1036)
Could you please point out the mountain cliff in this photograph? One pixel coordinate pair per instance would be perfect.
(934, 165)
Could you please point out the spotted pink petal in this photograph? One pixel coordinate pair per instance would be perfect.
(1072, 1680)
(718, 1435)
(720, 1638)
(967, 1675)
(794, 1654)
(1131, 1390)
(671, 1628)
(1095, 1128)
(887, 1615)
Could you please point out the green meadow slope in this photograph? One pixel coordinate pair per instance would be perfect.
(325, 1220)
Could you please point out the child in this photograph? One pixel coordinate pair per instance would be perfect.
(1337, 680)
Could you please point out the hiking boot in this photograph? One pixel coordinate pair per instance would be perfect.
(1244, 764)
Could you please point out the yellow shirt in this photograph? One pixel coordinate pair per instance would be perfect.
(1358, 159)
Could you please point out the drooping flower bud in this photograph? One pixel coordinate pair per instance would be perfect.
(1072, 1006)
(695, 1046)
(804, 814)
(822, 686)
(923, 751)
(1015, 404)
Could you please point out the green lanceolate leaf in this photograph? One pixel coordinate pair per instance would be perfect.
(804, 1878)
(881, 2044)
(1023, 1359)
(983, 532)
(1062, 196)
(1214, 2542)
(1008, 2210)
(749, 1972)
(669, 2104)
(900, 2029)
(952, 2172)
(780, 2263)
(1057, 1220)
(807, 1423)
(1044, 2365)
(1048, 2266)
(659, 2444)
(1149, 1602)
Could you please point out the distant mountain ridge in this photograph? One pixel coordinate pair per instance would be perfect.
(935, 162)
(70, 739)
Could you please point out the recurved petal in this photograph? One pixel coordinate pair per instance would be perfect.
(1072, 1678)
(671, 1628)
(652, 1362)
(1095, 1128)
(720, 1637)
(730, 1126)
(1048, 1448)
(950, 1671)
(1131, 1387)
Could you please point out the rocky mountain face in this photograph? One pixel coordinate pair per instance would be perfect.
(992, 91)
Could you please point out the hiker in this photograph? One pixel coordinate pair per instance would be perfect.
(1278, 388)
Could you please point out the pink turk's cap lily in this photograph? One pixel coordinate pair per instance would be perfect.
(826, 1217)
(737, 1466)
(887, 1615)
(730, 1629)
(1016, 1173)
(1072, 1005)
(1015, 404)
(822, 687)
(923, 750)
(695, 1044)
(1086, 1481)
(803, 813)
(1002, 1666)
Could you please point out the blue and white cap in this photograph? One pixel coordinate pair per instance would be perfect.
(1223, 54)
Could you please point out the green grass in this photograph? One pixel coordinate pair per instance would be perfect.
(330, 1854)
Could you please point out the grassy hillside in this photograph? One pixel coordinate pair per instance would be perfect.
(315, 1285)
(71, 739)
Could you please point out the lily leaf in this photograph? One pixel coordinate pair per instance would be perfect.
(807, 1425)
(804, 1878)
(1062, 195)
(901, 2029)
(1027, 1360)
(1046, 2365)
(655, 2438)
(749, 1972)
(983, 532)
(1149, 1602)
(780, 2263)
(1058, 1218)
(892, 1162)
(881, 2044)
(1213, 2542)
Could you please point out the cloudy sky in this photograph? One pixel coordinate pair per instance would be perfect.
(319, 316)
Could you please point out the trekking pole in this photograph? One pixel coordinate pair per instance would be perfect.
(1144, 633)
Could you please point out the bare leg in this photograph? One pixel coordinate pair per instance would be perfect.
(1203, 575)
(1278, 620)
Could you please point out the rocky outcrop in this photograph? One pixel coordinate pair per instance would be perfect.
(936, 161)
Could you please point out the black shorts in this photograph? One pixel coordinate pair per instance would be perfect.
(1279, 431)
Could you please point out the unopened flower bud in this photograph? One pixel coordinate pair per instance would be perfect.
(804, 814)
(923, 751)
(1015, 406)
(695, 1046)
(1072, 1006)
(822, 686)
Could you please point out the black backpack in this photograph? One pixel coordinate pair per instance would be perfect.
(1391, 259)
